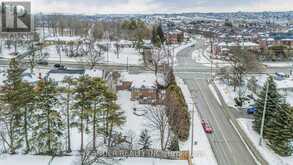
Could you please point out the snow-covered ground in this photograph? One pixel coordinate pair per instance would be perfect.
(229, 94)
(7, 53)
(128, 56)
(150, 161)
(203, 153)
(135, 124)
(278, 64)
(36, 160)
(268, 154)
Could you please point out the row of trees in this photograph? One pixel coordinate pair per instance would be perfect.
(32, 116)
(278, 125)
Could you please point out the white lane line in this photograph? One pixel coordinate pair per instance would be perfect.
(250, 152)
(220, 129)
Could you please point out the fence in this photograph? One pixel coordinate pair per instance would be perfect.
(171, 155)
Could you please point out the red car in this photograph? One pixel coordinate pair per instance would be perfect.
(206, 127)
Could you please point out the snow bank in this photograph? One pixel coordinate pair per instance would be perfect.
(203, 153)
(265, 151)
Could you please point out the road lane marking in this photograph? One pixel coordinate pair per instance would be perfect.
(220, 129)
(245, 144)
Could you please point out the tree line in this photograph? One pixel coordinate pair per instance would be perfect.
(38, 118)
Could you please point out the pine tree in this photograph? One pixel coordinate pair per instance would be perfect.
(48, 127)
(12, 95)
(174, 144)
(27, 100)
(82, 104)
(96, 89)
(274, 101)
(145, 140)
(281, 134)
(113, 116)
(68, 90)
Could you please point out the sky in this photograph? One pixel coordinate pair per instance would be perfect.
(157, 6)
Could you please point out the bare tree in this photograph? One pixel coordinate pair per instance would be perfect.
(242, 61)
(90, 156)
(158, 120)
(117, 49)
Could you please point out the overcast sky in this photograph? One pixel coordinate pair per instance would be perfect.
(158, 6)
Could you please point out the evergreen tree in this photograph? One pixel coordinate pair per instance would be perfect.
(68, 90)
(28, 101)
(48, 128)
(113, 117)
(82, 104)
(12, 96)
(96, 89)
(145, 140)
(274, 101)
(174, 144)
(281, 134)
(161, 34)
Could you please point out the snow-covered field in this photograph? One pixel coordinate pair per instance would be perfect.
(149, 161)
(268, 154)
(203, 153)
(135, 124)
(7, 53)
(128, 56)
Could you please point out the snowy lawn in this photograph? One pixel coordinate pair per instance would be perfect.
(136, 124)
(36, 160)
(266, 152)
(150, 161)
(203, 153)
(229, 94)
(128, 56)
(7, 53)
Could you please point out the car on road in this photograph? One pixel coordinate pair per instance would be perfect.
(59, 66)
(206, 127)
(251, 110)
(42, 62)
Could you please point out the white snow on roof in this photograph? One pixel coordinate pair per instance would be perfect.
(245, 44)
(146, 80)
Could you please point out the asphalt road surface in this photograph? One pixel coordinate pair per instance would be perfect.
(226, 143)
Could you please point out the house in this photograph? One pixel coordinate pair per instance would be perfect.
(143, 86)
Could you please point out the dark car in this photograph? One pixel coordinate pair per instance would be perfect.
(59, 66)
(42, 63)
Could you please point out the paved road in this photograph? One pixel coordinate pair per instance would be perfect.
(225, 142)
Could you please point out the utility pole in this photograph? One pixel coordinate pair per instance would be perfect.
(263, 115)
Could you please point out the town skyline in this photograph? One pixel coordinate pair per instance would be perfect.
(157, 7)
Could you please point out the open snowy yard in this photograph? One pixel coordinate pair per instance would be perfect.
(136, 124)
(266, 152)
(126, 56)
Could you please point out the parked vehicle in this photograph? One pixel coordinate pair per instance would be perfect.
(42, 62)
(251, 110)
(206, 127)
(59, 66)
